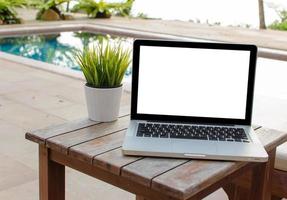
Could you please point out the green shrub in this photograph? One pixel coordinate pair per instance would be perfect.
(104, 65)
(51, 5)
(124, 9)
(34, 3)
(7, 13)
(102, 9)
(282, 24)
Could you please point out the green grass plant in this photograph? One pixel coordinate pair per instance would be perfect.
(104, 65)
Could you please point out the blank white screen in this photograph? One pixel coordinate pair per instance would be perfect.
(193, 82)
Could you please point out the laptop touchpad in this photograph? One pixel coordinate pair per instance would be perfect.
(200, 147)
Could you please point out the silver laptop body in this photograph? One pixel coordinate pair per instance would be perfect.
(193, 100)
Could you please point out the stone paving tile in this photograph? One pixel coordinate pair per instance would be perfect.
(39, 100)
(71, 112)
(26, 191)
(57, 78)
(14, 145)
(81, 186)
(70, 93)
(27, 117)
(13, 173)
(4, 101)
(22, 85)
(9, 87)
(12, 76)
(270, 112)
(8, 66)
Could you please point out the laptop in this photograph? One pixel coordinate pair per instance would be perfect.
(193, 100)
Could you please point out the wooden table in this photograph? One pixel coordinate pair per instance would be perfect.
(95, 149)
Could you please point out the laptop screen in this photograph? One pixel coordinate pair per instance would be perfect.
(193, 82)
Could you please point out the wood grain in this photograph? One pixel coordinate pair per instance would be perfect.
(51, 188)
(271, 138)
(39, 136)
(140, 198)
(114, 160)
(279, 183)
(191, 177)
(235, 192)
(108, 177)
(63, 142)
(86, 151)
(144, 170)
(262, 179)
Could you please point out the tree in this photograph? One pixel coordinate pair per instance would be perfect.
(262, 24)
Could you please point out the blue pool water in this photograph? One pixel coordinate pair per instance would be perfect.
(58, 48)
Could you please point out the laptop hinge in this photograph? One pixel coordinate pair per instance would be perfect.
(181, 122)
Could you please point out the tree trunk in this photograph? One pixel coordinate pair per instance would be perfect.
(68, 6)
(261, 15)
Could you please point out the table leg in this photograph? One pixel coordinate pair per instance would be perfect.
(235, 192)
(51, 177)
(261, 179)
(140, 198)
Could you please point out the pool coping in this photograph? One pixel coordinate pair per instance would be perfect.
(102, 29)
(41, 28)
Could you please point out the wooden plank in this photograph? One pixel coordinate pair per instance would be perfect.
(191, 177)
(40, 136)
(51, 188)
(65, 141)
(113, 161)
(144, 170)
(194, 176)
(108, 177)
(271, 138)
(86, 151)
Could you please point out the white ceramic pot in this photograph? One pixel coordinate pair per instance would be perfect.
(103, 103)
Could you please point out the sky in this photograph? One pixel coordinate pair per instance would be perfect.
(227, 12)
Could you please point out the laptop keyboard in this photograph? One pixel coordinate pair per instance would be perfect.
(213, 133)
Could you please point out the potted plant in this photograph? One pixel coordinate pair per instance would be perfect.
(104, 67)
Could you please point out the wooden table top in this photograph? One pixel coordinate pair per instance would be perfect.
(99, 144)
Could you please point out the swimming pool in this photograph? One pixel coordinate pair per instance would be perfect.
(58, 48)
